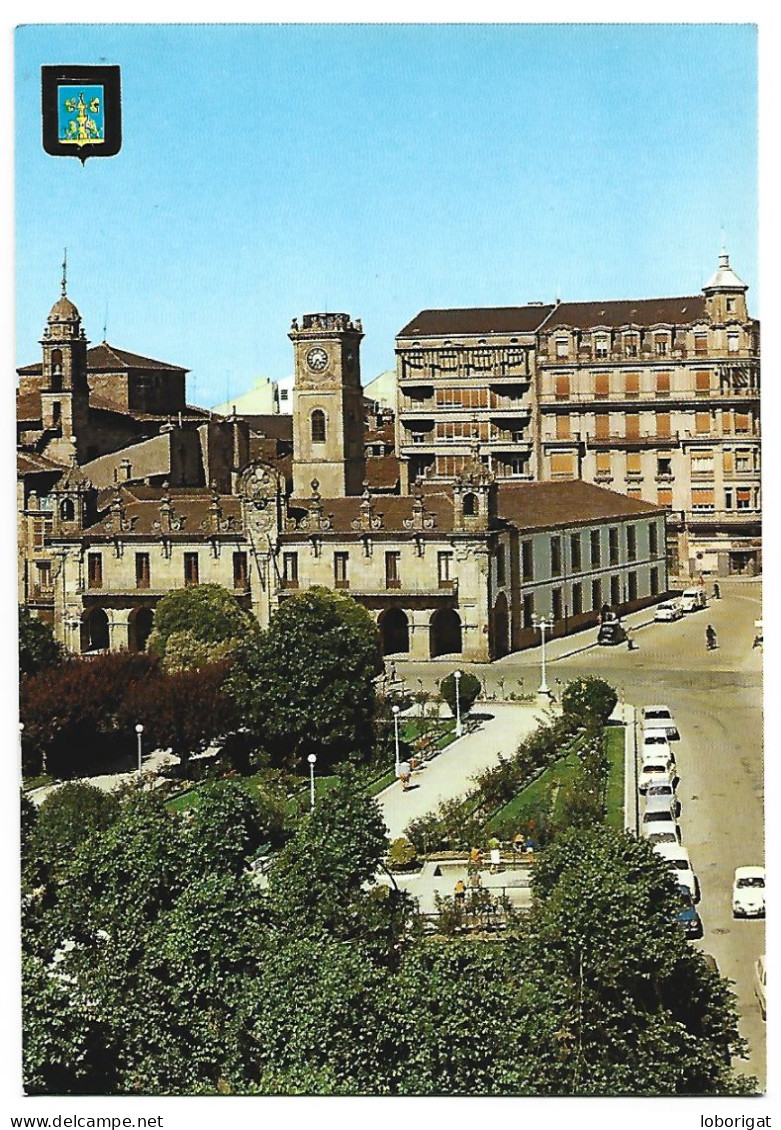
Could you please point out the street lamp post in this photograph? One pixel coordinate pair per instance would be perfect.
(312, 759)
(396, 736)
(543, 624)
(459, 727)
(139, 732)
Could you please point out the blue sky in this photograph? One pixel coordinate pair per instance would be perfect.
(267, 171)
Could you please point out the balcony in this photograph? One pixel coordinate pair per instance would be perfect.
(624, 441)
(729, 518)
(41, 594)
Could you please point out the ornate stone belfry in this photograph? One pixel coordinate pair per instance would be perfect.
(65, 391)
(328, 421)
(474, 495)
(74, 497)
(264, 515)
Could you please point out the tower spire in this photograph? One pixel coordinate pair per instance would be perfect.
(64, 270)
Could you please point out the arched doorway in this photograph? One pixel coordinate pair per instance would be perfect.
(445, 633)
(94, 631)
(501, 626)
(394, 631)
(139, 626)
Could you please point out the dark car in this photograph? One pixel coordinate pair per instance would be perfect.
(687, 917)
(611, 630)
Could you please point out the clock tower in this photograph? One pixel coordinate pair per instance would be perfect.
(327, 406)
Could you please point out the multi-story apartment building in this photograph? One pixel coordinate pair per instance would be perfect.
(656, 398)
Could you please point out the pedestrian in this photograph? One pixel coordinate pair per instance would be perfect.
(405, 772)
(519, 844)
(630, 643)
(460, 891)
(475, 880)
(475, 857)
(710, 637)
(716, 591)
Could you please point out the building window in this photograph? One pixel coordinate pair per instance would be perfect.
(562, 465)
(664, 497)
(527, 560)
(603, 464)
(240, 572)
(318, 426)
(632, 425)
(528, 610)
(632, 386)
(630, 345)
(742, 462)
(556, 604)
(602, 386)
(562, 388)
(662, 384)
(703, 499)
(743, 500)
(290, 570)
(575, 552)
(631, 581)
(67, 510)
(501, 568)
(653, 539)
(601, 345)
(728, 496)
(95, 570)
(191, 568)
(634, 466)
(612, 543)
(661, 342)
(555, 556)
(596, 549)
(577, 598)
(702, 423)
(471, 505)
(562, 347)
(563, 429)
(742, 422)
(445, 570)
(702, 383)
(700, 343)
(392, 564)
(702, 462)
(601, 425)
(615, 590)
(733, 343)
(654, 581)
(631, 543)
(664, 466)
(663, 425)
(730, 305)
(56, 414)
(142, 570)
(340, 571)
(596, 596)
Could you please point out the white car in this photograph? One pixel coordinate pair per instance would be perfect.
(658, 820)
(662, 833)
(748, 892)
(661, 794)
(693, 599)
(660, 717)
(652, 772)
(677, 857)
(668, 610)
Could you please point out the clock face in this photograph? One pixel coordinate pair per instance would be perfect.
(317, 359)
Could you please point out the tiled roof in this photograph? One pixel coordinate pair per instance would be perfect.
(495, 319)
(627, 312)
(28, 463)
(142, 508)
(105, 356)
(28, 406)
(538, 506)
(271, 426)
(382, 472)
(393, 508)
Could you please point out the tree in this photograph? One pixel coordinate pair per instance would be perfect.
(71, 712)
(590, 700)
(38, 648)
(66, 818)
(306, 686)
(625, 1005)
(468, 689)
(202, 623)
(184, 711)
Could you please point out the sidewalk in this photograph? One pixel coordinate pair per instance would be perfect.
(449, 774)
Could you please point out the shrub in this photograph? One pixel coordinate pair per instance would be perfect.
(469, 689)
(402, 855)
(589, 700)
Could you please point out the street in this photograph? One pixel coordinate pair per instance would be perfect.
(716, 698)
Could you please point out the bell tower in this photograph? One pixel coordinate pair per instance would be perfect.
(64, 391)
(328, 421)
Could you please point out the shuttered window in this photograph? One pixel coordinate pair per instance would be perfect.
(664, 496)
(662, 384)
(562, 464)
(702, 383)
(729, 463)
(602, 385)
(702, 422)
(633, 463)
(603, 462)
(632, 384)
(562, 388)
(703, 499)
(663, 424)
(602, 425)
(742, 422)
(563, 430)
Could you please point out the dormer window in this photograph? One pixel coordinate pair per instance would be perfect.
(661, 343)
(562, 347)
(601, 345)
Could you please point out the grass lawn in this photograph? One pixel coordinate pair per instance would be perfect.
(614, 788)
(547, 787)
(30, 783)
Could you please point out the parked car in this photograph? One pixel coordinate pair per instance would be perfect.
(748, 892)
(760, 984)
(687, 917)
(611, 630)
(661, 793)
(693, 599)
(668, 610)
(659, 820)
(659, 717)
(662, 833)
(655, 744)
(652, 772)
(677, 858)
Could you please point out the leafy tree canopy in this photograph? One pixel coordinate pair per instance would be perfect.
(198, 614)
(66, 818)
(590, 700)
(468, 690)
(307, 684)
(38, 648)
